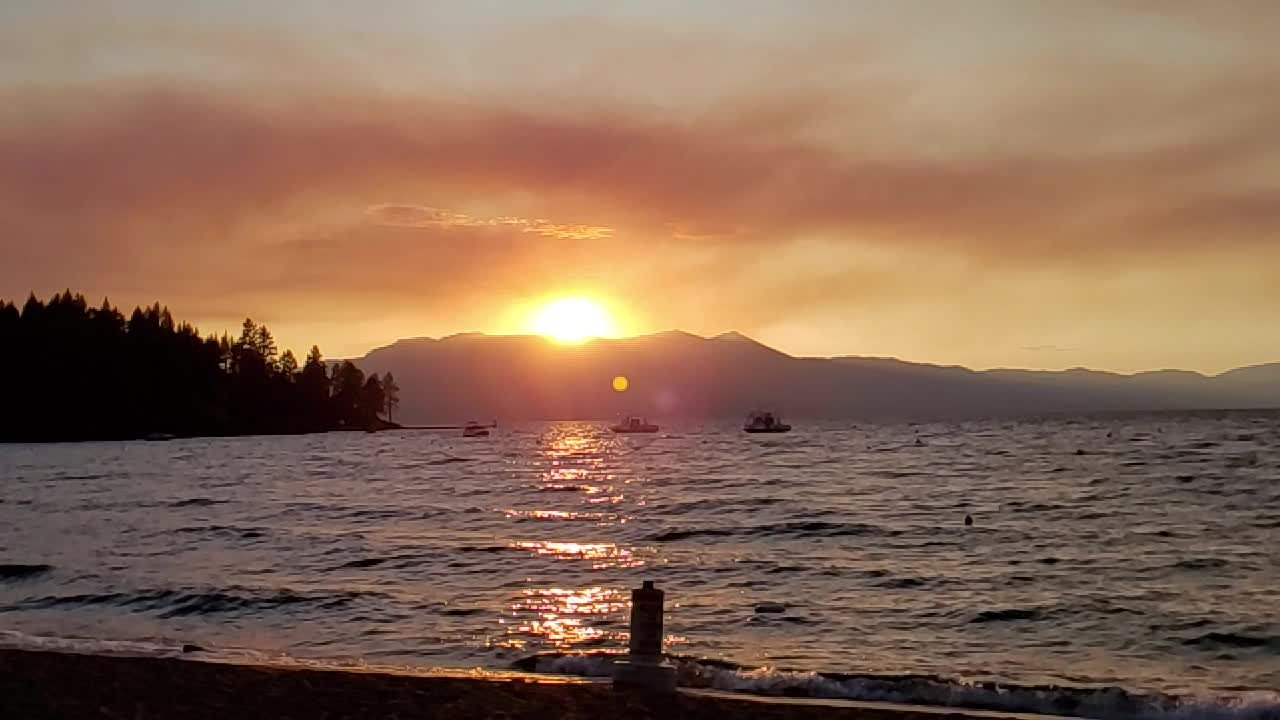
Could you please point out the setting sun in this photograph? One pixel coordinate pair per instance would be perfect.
(573, 320)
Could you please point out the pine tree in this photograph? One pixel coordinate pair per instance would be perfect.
(288, 365)
(391, 391)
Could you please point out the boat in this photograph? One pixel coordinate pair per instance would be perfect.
(474, 429)
(762, 421)
(634, 425)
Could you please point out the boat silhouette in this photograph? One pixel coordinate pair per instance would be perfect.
(763, 421)
(631, 424)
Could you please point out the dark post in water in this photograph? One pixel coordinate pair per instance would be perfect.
(646, 620)
(643, 667)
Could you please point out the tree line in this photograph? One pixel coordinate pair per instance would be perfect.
(69, 371)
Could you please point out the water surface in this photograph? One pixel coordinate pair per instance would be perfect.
(1135, 552)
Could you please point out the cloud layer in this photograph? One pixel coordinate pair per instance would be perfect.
(1035, 159)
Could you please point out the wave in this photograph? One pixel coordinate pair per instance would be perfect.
(186, 603)
(1100, 703)
(380, 514)
(691, 507)
(363, 563)
(987, 616)
(447, 461)
(462, 612)
(809, 528)
(14, 640)
(902, 583)
(1233, 640)
(196, 502)
(225, 531)
(23, 572)
(1103, 703)
(1201, 564)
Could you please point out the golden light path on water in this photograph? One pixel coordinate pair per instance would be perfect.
(574, 460)
(563, 616)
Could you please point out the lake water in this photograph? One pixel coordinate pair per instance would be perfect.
(1140, 554)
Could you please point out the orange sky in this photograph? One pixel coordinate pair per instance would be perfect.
(1045, 184)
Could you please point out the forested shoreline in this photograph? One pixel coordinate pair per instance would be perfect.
(71, 371)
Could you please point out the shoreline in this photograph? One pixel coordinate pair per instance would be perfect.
(41, 684)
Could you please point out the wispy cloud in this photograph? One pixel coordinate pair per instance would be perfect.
(423, 216)
(1047, 348)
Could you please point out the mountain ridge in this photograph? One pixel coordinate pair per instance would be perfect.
(674, 373)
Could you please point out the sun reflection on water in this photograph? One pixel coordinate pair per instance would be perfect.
(566, 618)
(602, 555)
(573, 477)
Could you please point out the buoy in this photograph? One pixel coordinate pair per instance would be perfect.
(968, 519)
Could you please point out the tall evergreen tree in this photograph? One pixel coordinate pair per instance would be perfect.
(391, 391)
(288, 365)
(372, 401)
(348, 383)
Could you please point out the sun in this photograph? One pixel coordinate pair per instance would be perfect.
(572, 320)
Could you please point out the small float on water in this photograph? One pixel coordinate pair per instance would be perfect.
(634, 425)
(763, 421)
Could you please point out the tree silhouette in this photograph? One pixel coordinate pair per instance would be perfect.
(372, 400)
(108, 377)
(313, 386)
(391, 391)
(288, 365)
(347, 385)
(265, 346)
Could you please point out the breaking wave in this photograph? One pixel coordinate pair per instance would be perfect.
(1103, 703)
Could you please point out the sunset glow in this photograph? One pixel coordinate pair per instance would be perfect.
(572, 320)
(1088, 196)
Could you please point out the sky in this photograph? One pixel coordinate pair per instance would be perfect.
(994, 184)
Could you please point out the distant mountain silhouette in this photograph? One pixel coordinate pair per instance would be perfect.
(676, 374)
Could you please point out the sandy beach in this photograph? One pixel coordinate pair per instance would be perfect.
(47, 685)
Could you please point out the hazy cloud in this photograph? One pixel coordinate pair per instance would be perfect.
(855, 160)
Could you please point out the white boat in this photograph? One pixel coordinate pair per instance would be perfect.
(634, 425)
(763, 421)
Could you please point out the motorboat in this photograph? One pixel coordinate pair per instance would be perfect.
(474, 429)
(762, 421)
(634, 425)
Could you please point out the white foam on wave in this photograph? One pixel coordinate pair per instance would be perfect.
(596, 665)
(1101, 703)
(1253, 705)
(1104, 703)
(14, 640)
